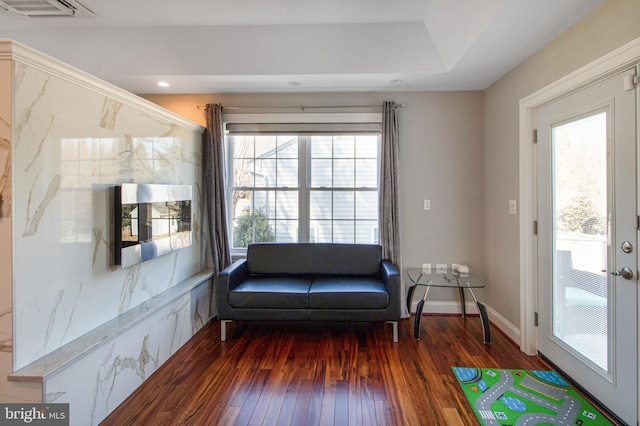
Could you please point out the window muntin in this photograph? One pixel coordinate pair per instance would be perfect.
(289, 188)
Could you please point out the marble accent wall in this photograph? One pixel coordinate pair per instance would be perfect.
(6, 343)
(9, 392)
(66, 311)
(115, 369)
(71, 146)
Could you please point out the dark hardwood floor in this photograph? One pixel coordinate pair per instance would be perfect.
(271, 373)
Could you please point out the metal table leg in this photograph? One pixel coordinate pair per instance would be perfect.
(416, 326)
(484, 318)
(412, 289)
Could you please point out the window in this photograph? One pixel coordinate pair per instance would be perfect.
(289, 188)
(343, 188)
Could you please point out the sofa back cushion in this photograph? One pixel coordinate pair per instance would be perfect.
(313, 259)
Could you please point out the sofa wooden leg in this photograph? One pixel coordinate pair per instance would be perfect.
(394, 324)
(223, 329)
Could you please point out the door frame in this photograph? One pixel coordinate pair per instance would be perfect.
(616, 61)
(606, 66)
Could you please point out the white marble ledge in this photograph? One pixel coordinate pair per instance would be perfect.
(39, 370)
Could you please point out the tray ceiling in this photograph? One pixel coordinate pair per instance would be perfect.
(207, 46)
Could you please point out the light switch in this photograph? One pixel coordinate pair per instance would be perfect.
(427, 204)
(512, 207)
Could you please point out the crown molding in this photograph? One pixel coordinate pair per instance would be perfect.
(18, 52)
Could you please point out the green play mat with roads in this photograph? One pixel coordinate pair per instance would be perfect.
(533, 397)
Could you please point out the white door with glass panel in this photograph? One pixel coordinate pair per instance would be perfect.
(587, 241)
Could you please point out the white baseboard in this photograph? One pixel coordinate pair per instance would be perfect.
(444, 307)
(504, 325)
(495, 318)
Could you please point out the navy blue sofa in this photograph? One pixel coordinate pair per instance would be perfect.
(310, 282)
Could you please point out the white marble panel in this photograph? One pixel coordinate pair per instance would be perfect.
(71, 146)
(111, 372)
(6, 323)
(9, 391)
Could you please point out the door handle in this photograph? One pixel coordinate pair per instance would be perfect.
(625, 273)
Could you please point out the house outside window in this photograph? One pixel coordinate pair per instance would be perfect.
(303, 187)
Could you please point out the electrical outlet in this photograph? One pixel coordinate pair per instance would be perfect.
(426, 268)
(454, 266)
(441, 268)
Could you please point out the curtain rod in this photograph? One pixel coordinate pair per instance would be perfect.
(300, 107)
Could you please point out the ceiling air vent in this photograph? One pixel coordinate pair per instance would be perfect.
(45, 8)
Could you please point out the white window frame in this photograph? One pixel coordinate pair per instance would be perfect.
(296, 123)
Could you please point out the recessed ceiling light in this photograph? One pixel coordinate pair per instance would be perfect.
(163, 84)
(396, 82)
(294, 83)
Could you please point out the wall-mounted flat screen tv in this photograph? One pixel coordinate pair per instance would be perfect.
(151, 220)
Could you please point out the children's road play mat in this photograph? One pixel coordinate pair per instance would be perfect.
(525, 397)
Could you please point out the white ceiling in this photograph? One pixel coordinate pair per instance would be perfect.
(215, 46)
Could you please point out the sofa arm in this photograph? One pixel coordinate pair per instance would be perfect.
(228, 279)
(391, 279)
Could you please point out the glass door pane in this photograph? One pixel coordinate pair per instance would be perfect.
(580, 297)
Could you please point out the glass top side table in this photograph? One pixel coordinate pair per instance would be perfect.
(448, 279)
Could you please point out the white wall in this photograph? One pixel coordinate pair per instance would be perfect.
(441, 160)
(613, 24)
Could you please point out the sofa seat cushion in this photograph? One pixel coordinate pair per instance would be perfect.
(348, 293)
(271, 293)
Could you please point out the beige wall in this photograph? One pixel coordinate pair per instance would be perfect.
(441, 160)
(610, 26)
(460, 150)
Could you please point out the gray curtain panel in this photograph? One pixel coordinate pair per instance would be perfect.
(213, 165)
(390, 194)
